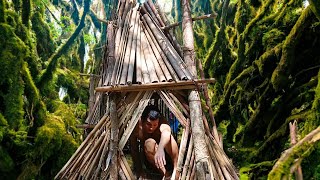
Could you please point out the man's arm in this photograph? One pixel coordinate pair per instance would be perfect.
(134, 148)
(159, 157)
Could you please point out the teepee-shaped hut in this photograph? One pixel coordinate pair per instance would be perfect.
(143, 65)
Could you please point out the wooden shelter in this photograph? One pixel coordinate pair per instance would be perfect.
(143, 65)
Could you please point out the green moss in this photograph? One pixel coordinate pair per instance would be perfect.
(280, 76)
(2, 11)
(26, 12)
(3, 126)
(272, 38)
(268, 60)
(45, 43)
(223, 126)
(239, 129)
(6, 162)
(315, 6)
(255, 171)
(49, 138)
(12, 54)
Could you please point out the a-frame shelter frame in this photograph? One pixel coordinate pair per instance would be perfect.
(138, 48)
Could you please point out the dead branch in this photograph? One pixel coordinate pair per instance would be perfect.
(213, 15)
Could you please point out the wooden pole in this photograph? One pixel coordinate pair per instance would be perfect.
(155, 86)
(133, 50)
(198, 132)
(157, 53)
(138, 56)
(91, 92)
(128, 51)
(293, 139)
(168, 49)
(114, 137)
(162, 54)
(144, 69)
(111, 52)
(153, 58)
(213, 15)
(148, 55)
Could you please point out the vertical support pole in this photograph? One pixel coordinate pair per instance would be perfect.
(198, 132)
(114, 137)
(91, 91)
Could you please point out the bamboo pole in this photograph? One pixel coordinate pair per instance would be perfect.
(114, 138)
(148, 55)
(153, 59)
(182, 150)
(192, 166)
(111, 52)
(133, 50)
(120, 40)
(151, 13)
(144, 69)
(139, 56)
(208, 102)
(128, 50)
(154, 10)
(156, 86)
(62, 172)
(123, 168)
(170, 52)
(183, 121)
(187, 162)
(162, 54)
(121, 7)
(103, 156)
(91, 92)
(180, 106)
(156, 52)
(170, 33)
(124, 160)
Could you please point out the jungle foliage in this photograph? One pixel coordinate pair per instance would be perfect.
(42, 51)
(265, 57)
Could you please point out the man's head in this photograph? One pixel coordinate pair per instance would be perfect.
(150, 119)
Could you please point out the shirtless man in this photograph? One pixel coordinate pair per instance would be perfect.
(159, 147)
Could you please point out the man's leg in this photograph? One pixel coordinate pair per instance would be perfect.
(150, 148)
(173, 151)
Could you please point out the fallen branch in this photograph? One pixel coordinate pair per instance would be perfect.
(282, 166)
(213, 15)
(101, 20)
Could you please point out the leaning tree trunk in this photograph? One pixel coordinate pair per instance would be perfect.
(198, 133)
(53, 60)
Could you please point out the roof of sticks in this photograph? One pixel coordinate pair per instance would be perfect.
(143, 52)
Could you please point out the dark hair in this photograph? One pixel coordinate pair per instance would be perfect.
(151, 112)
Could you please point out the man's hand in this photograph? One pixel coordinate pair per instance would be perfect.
(159, 158)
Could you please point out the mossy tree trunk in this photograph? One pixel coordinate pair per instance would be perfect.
(263, 41)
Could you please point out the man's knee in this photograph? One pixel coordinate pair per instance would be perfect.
(150, 146)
